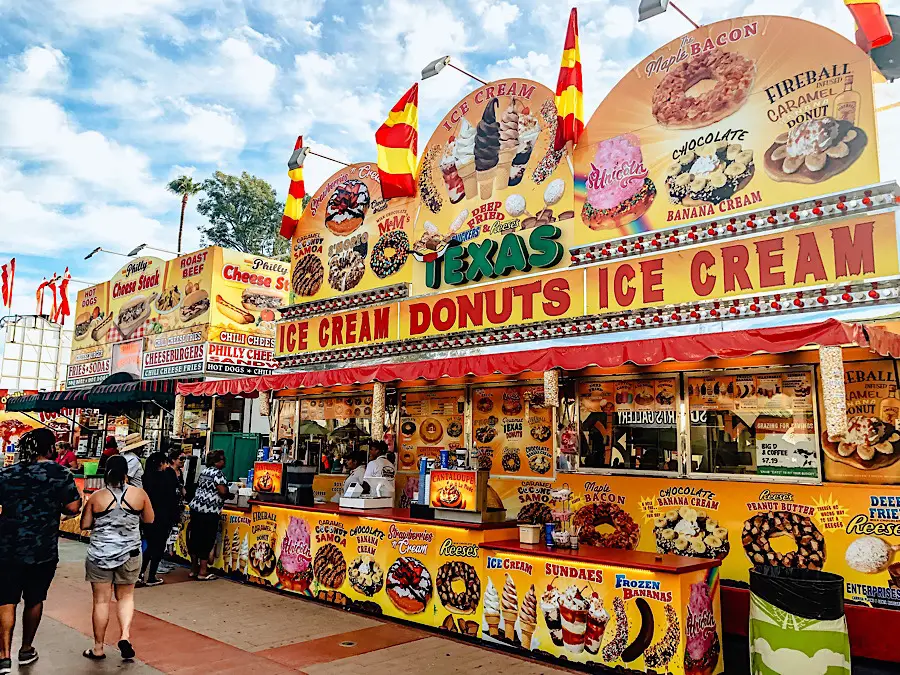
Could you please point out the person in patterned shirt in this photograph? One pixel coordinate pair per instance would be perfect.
(206, 510)
(33, 494)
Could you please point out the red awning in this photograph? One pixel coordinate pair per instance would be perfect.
(683, 348)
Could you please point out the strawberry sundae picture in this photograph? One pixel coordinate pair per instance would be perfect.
(701, 654)
(619, 189)
(294, 568)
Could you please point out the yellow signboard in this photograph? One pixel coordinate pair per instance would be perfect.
(849, 250)
(730, 118)
(92, 317)
(337, 331)
(350, 238)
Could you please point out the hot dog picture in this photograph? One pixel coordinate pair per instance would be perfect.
(233, 312)
(256, 299)
(101, 330)
(194, 304)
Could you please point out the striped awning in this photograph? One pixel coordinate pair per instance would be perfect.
(102, 396)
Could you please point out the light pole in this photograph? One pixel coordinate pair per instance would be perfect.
(137, 249)
(100, 249)
(437, 66)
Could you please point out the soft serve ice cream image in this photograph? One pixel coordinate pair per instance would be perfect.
(492, 609)
(294, 565)
(619, 189)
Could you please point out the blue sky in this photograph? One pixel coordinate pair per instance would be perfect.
(103, 101)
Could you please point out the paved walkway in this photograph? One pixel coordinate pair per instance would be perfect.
(191, 628)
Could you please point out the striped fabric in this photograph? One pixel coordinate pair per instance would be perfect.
(397, 140)
(293, 205)
(872, 23)
(569, 90)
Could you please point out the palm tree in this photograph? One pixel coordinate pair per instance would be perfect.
(184, 186)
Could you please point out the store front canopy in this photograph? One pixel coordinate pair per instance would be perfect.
(103, 396)
(647, 352)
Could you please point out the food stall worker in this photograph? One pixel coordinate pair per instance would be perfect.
(65, 456)
(355, 462)
(110, 448)
(379, 466)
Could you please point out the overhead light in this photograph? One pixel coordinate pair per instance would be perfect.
(137, 249)
(92, 253)
(650, 8)
(435, 67)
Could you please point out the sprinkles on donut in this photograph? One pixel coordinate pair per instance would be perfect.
(385, 264)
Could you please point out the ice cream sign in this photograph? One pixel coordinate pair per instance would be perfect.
(492, 189)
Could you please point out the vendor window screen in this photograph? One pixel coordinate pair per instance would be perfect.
(753, 423)
(334, 427)
(629, 424)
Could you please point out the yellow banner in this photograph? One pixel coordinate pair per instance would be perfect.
(350, 238)
(767, 125)
(551, 296)
(92, 319)
(848, 250)
(133, 293)
(337, 331)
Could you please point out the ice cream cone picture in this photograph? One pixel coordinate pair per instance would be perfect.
(487, 149)
(509, 142)
(510, 607)
(464, 152)
(492, 609)
(528, 618)
(528, 131)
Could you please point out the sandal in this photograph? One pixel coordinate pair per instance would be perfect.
(126, 649)
(89, 654)
(208, 577)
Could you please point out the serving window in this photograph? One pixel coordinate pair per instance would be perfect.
(430, 421)
(753, 423)
(629, 424)
(332, 427)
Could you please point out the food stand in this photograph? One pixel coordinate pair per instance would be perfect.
(688, 330)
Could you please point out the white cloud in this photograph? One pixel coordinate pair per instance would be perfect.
(38, 69)
(496, 17)
(534, 66)
(337, 18)
(207, 133)
(312, 29)
(619, 22)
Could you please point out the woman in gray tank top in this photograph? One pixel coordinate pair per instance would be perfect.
(113, 563)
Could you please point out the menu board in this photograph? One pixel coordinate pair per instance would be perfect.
(869, 450)
(336, 408)
(626, 396)
(788, 392)
(430, 421)
(513, 431)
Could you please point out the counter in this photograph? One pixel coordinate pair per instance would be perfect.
(621, 609)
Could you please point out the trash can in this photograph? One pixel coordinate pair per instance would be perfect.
(797, 622)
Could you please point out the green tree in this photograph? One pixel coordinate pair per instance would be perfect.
(244, 214)
(186, 187)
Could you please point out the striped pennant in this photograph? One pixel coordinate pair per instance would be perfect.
(872, 22)
(398, 140)
(293, 205)
(569, 90)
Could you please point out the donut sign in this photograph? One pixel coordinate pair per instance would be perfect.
(729, 119)
(350, 238)
(488, 180)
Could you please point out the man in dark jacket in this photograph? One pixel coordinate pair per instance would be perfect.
(33, 494)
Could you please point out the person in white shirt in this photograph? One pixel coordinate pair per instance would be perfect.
(379, 466)
(133, 443)
(355, 463)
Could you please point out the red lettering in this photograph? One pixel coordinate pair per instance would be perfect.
(622, 288)
(526, 292)
(471, 310)
(382, 323)
(651, 274)
(350, 324)
(556, 291)
(323, 333)
(419, 318)
(603, 287)
(337, 330)
(444, 306)
(502, 315)
(771, 256)
(702, 280)
(734, 268)
(365, 329)
(809, 260)
(854, 254)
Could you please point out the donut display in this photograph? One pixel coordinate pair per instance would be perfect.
(688, 531)
(485, 458)
(711, 175)
(431, 430)
(762, 528)
(511, 462)
(485, 434)
(535, 513)
(345, 271)
(733, 74)
(329, 566)
(389, 254)
(454, 430)
(347, 207)
(408, 585)
(308, 275)
(539, 464)
(465, 601)
(627, 532)
(541, 433)
(262, 558)
(365, 575)
(814, 151)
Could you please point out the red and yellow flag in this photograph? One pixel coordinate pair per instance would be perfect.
(569, 90)
(871, 22)
(398, 140)
(293, 205)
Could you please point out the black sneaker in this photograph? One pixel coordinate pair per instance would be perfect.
(27, 657)
(154, 582)
(5, 666)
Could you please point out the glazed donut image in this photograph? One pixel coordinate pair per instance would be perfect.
(733, 74)
(626, 534)
(762, 528)
(466, 601)
(385, 265)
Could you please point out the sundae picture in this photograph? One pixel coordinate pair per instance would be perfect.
(510, 608)
(452, 181)
(492, 609)
(597, 618)
(619, 189)
(294, 565)
(487, 149)
(701, 654)
(550, 602)
(574, 613)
